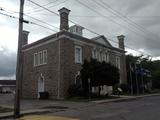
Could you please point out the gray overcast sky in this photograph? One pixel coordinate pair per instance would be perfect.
(138, 20)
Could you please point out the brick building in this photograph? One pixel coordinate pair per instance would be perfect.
(51, 64)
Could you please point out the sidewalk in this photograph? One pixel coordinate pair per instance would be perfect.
(125, 98)
(70, 105)
(26, 112)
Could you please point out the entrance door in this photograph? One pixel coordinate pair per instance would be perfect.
(40, 85)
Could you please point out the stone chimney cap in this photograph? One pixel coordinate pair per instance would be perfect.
(120, 37)
(25, 32)
(64, 10)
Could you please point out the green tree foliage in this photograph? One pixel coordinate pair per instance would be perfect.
(99, 73)
(146, 63)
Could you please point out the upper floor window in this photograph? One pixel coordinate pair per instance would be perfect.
(40, 58)
(44, 56)
(118, 62)
(94, 54)
(35, 59)
(78, 54)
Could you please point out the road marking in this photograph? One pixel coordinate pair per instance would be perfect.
(45, 117)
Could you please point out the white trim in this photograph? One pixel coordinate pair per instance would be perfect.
(35, 58)
(44, 56)
(62, 36)
(78, 43)
(78, 60)
(41, 84)
(40, 58)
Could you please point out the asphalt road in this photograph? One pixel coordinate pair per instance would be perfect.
(147, 108)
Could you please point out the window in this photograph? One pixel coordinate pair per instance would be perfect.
(44, 56)
(35, 59)
(78, 54)
(40, 58)
(106, 57)
(107, 54)
(103, 57)
(94, 54)
(100, 56)
(118, 62)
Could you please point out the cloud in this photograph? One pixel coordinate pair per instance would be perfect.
(145, 13)
(7, 62)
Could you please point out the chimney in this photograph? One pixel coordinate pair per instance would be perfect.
(121, 41)
(24, 38)
(64, 12)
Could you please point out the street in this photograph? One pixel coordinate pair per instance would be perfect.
(146, 108)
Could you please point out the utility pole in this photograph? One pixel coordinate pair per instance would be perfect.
(19, 63)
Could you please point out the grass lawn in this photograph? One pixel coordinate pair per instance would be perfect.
(3, 110)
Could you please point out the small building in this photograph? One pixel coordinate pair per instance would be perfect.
(52, 63)
(7, 86)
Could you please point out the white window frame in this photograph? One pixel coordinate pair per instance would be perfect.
(35, 59)
(40, 58)
(76, 59)
(94, 54)
(44, 56)
(118, 62)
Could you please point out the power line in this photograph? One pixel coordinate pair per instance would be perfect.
(41, 21)
(114, 16)
(28, 22)
(57, 31)
(123, 17)
(39, 10)
(11, 16)
(118, 14)
(43, 5)
(42, 26)
(108, 18)
(73, 22)
(11, 12)
(59, 15)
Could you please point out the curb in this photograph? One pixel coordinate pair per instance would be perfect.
(27, 112)
(124, 99)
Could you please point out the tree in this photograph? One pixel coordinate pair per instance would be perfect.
(147, 70)
(99, 73)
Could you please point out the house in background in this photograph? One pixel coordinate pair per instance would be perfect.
(7, 86)
(53, 63)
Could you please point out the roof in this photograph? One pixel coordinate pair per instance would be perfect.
(103, 40)
(7, 82)
(64, 33)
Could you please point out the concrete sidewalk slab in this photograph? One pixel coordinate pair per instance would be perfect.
(124, 98)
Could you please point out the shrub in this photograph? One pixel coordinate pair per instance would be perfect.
(124, 87)
(75, 90)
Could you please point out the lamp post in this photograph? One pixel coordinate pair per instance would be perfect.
(142, 78)
(136, 79)
(141, 74)
(130, 71)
